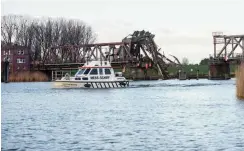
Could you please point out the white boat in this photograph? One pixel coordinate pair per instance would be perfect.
(93, 74)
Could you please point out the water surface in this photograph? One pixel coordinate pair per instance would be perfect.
(150, 115)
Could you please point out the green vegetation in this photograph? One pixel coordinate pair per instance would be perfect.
(204, 61)
(203, 69)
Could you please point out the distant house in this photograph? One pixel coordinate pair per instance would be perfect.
(19, 58)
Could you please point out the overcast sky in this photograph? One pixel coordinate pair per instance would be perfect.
(182, 27)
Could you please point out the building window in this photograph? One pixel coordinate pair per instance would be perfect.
(94, 71)
(20, 52)
(4, 52)
(107, 71)
(20, 60)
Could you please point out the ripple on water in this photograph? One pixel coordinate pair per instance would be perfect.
(151, 115)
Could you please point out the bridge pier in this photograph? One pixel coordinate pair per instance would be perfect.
(219, 64)
(219, 70)
(5, 70)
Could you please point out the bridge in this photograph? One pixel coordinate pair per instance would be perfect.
(225, 47)
(133, 51)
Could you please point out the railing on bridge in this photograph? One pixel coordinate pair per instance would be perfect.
(117, 63)
(234, 56)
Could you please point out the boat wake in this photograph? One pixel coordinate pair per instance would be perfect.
(172, 85)
(150, 85)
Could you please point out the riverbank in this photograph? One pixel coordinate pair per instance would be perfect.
(42, 77)
(28, 76)
(130, 74)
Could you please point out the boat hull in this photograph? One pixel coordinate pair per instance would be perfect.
(95, 84)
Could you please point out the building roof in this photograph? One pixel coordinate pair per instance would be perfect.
(12, 47)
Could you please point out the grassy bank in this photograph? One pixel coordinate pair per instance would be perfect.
(130, 73)
(203, 69)
(240, 82)
(28, 76)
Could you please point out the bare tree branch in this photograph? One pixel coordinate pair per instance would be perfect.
(39, 35)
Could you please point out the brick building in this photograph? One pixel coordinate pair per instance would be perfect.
(19, 59)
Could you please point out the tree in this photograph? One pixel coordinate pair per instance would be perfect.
(39, 35)
(204, 61)
(8, 28)
(185, 61)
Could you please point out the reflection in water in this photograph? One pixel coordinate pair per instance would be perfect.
(150, 115)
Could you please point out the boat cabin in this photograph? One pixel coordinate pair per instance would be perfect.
(94, 74)
(96, 70)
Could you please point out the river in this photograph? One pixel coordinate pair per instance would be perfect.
(150, 115)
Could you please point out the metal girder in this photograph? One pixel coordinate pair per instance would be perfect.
(101, 53)
(224, 47)
(233, 40)
(128, 52)
(132, 47)
(145, 39)
(92, 45)
(234, 47)
(176, 59)
(242, 47)
(145, 52)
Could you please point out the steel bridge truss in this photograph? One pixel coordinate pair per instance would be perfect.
(133, 49)
(235, 41)
(117, 51)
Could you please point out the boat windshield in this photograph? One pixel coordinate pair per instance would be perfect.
(80, 72)
(87, 70)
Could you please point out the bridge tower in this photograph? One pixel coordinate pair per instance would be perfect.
(224, 48)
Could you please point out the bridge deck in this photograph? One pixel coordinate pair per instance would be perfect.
(73, 65)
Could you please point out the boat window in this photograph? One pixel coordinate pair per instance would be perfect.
(87, 71)
(107, 71)
(94, 71)
(77, 78)
(80, 72)
(101, 71)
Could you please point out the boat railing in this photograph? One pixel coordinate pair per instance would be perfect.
(67, 76)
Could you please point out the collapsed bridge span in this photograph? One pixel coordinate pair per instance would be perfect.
(132, 50)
